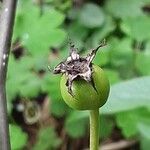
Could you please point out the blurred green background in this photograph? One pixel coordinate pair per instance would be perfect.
(39, 118)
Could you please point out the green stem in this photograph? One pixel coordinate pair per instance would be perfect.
(94, 129)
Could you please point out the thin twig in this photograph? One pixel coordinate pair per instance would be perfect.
(119, 145)
(6, 27)
(122, 144)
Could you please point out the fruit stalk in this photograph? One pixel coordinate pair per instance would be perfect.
(94, 129)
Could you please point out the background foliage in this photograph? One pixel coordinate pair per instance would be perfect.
(38, 117)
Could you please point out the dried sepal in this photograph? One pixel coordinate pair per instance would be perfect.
(75, 66)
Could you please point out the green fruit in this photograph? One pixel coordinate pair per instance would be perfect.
(85, 96)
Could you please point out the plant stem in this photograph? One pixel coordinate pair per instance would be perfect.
(94, 129)
(7, 16)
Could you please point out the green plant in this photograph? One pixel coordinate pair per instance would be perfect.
(16, 134)
(84, 86)
(47, 141)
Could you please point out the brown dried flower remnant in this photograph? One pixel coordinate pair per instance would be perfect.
(75, 66)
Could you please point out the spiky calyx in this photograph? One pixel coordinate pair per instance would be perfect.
(75, 66)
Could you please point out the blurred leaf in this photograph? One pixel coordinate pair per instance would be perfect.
(143, 59)
(39, 33)
(129, 121)
(65, 5)
(144, 143)
(51, 86)
(106, 126)
(102, 32)
(23, 19)
(75, 124)
(145, 129)
(39, 63)
(73, 13)
(77, 31)
(102, 57)
(91, 16)
(121, 52)
(59, 108)
(128, 95)
(36, 47)
(125, 8)
(145, 136)
(15, 77)
(18, 137)
(121, 56)
(47, 139)
(52, 19)
(137, 28)
(30, 86)
(113, 76)
(20, 74)
(49, 0)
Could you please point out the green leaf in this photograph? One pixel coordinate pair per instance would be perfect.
(106, 126)
(51, 37)
(130, 121)
(20, 74)
(102, 57)
(121, 53)
(51, 86)
(18, 137)
(144, 129)
(104, 31)
(91, 16)
(77, 31)
(52, 18)
(145, 136)
(30, 86)
(49, 0)
(47, 139)
(121, 56)
(128, 95)
(112, 75)
(73, 13)
(16, 73)
(137, 27)
(23, 19)
(144, 143)
(58, 107)
(125, 8)
(143, 59)
(75, 124)
(38, 33)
